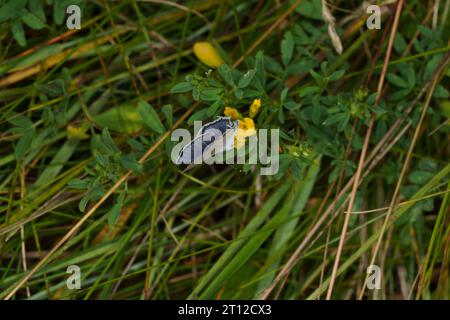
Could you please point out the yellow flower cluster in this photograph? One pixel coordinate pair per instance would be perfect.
(246, 126)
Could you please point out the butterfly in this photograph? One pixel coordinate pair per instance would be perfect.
(217, 134)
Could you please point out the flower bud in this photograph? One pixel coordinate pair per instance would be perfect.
(206, 53)
(254, 108)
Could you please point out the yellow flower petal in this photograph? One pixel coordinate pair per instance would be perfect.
(232, 113)
(245, 129)
(207, 54)
(254, 108)
(248, 127)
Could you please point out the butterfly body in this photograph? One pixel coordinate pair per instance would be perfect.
(210, 135)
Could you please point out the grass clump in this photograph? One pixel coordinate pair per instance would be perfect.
(85, 171)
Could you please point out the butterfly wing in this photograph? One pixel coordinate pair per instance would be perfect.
(211, 135)
(194, 150)
(221, 124)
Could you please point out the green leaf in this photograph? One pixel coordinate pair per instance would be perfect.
(226, 74)
(150, 117)
(311, 9)
(420, 177)
(337, 75)
(410, 76)
(300, 66)
(129, 162)
(83, 202)
(287, 48)
(199, 115)
(292, 105)
(400, 94)
(272, 65)
(259, 68)
(343, 123)
(399, 43)
(101, 159)
(57, 163)
(31, 20)
(440, 92)
(431, 66)
(317, 76)
(37, 8)
(92, 194)
(52, 89)
(316, 109)
(246, 79)
(428, 165)
(59, 11)
(11, 9)
(123, 119)
(238, 93)
(300, 36)
(181, 87)
(306, 91)
(24, 144)
(296, 169)
(22, 122)
(113, 214)
(78, 184)
(212, 109)
(168, 113)
(108, 141)
(211, 94)
(196, 94)
(283, 95)
(334, 119)
(397, 81)
(427, 32)
(18, 33)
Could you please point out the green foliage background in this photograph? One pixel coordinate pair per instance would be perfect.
(85, 138)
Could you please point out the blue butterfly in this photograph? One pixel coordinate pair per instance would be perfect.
(211, 135)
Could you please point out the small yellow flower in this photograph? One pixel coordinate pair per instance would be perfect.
(245, 129)
(207, 54)
(232, 113)
(247, 126)
(254, 108)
